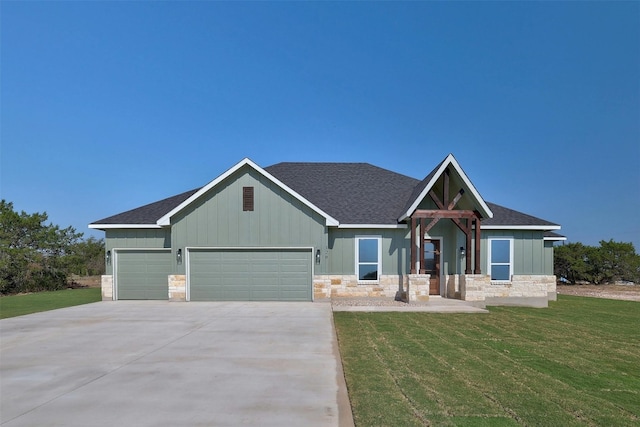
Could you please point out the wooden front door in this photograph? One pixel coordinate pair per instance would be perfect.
(432, 264)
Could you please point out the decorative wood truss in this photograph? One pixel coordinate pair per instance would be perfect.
(468, 222)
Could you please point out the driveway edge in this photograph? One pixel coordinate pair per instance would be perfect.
(345, 416)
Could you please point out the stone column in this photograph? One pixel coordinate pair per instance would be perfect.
(177, 287)
(106, 283)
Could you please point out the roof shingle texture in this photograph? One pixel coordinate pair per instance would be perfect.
(506, 216)
(148, 214)
(352, 193)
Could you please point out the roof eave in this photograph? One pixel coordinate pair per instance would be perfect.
(112, 226)
(547, 227)
(555, 238)
(385, 226)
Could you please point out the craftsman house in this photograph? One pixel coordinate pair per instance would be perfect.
(311, 231)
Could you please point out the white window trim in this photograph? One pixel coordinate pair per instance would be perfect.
(357, 259)
(489, 255)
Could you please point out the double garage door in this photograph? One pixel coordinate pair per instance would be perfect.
(218, 274)
(249, 274)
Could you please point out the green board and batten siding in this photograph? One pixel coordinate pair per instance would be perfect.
(244, 269)
(278, 219)
(136, 239)
(142, 273)
(250, 274)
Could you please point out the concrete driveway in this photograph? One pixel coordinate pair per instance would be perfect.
(150, 363)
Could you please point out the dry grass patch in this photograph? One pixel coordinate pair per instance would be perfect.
(575, 363)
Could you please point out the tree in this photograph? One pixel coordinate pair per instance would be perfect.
(86, 257)
(32, 253)
(610, 262)
(616, 261)
(570, 262)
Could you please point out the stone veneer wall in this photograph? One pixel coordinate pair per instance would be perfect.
(177, 287)
(346, 286)
(106, 283)
(472, 286)
(475, 287)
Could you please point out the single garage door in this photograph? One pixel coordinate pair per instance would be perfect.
(250, 274)
(143, 274)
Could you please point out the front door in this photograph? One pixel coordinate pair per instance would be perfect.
(432, 264)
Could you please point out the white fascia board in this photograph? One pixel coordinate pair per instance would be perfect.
(105, 226)
(247, 248)
(450, 160)
(166, 219)
(553, 239)
(372, 226)
(520, 227)
(141, 249)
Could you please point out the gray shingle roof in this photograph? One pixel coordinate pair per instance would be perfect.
(352, 193)
(505, 216)
(148, 214)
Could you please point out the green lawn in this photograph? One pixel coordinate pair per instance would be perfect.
(18, 305)
(574, 363)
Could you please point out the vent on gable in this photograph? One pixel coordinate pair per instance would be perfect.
(247, 198)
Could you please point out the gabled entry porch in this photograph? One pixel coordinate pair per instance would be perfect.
(425, 277)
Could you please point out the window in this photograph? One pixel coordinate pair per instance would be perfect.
(368, 254)
(247, 198)
(501, 259)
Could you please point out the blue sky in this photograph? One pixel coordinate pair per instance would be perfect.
(106, 106)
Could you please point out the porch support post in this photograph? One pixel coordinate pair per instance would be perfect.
(412, 267)
(467, 234)
(477, 244)
(422, 222)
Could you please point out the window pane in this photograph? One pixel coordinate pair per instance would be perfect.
(367, 272)
(368, 250)
(500, 272)
(429, 256)
(500, 251)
